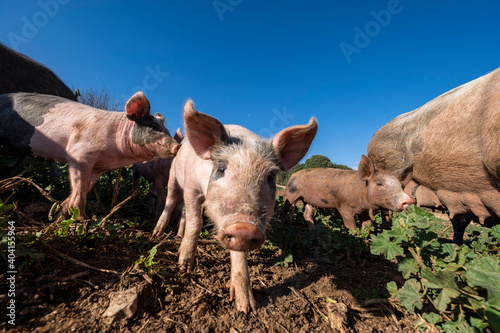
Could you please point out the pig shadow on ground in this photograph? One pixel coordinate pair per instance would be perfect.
(329, 242)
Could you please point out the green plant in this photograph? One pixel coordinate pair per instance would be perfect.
(454, 288)
(147, 262)
(65, 226)
(284, 261)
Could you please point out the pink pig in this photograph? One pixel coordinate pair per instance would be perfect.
(91, 141)
(231, 173)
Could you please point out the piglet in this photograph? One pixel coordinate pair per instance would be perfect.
(156, 171)
(91, 141)
(350, 192)
(231, 173)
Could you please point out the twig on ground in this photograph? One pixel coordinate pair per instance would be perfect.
(207, 290)
(310, 303)
(30, 220)
(119, 206)
(79, 263)
(282, 327)
(75, 276)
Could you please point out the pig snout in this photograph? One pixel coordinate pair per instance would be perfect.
(241, 236)
(406, 203)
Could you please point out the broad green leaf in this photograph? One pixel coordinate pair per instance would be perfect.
(392, 288)
(439, 279)
(485, 273)
(493, 316)
(432, 318)
(444, 298)
(408, 266)
(495, 231)
(457, 327)
(480, 324)
(381, 244)
(409, 296)
(420, 212)
(449, 252)
(398, 235)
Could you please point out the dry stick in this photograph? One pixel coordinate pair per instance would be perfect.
(119, 206)
(75, 276)
(30, 182)
(165, 239)
(209, 291)
(79, 263)
(31, 221)
(393, 316)
(283, 327)
(377, 301)
(310, 303)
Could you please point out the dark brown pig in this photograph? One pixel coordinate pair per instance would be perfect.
(91, 141)
(156, 172)
(350, 192)
(453, 143)
(20, 73)
(231, 173)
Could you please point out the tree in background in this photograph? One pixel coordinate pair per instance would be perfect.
(99, 99)
(315, 161)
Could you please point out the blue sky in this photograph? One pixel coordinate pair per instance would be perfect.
(266, 65)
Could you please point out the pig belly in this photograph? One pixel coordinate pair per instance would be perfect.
(48, 148)
(321, 201)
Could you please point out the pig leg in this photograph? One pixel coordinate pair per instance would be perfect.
(164, 219)
(136, 176)
(308, 216)
(349, 219)
(161, 198)
(240, 289)
(182, 220)
(459, 223)
(81, 182)
(194, 222)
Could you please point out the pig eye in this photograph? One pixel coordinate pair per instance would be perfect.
(220, 169)
(380, 184)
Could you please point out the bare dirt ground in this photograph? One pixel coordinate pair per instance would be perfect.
(55, 293)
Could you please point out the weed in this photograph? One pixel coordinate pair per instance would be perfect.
(454, 288)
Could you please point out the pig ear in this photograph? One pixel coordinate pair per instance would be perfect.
(160, 118)
(405, 174)
(293, 142)
(178, 135)
(137, 106)
(203, 131)
(365, 168)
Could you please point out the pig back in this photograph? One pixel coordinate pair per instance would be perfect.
(20, 73)
(449, 140)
